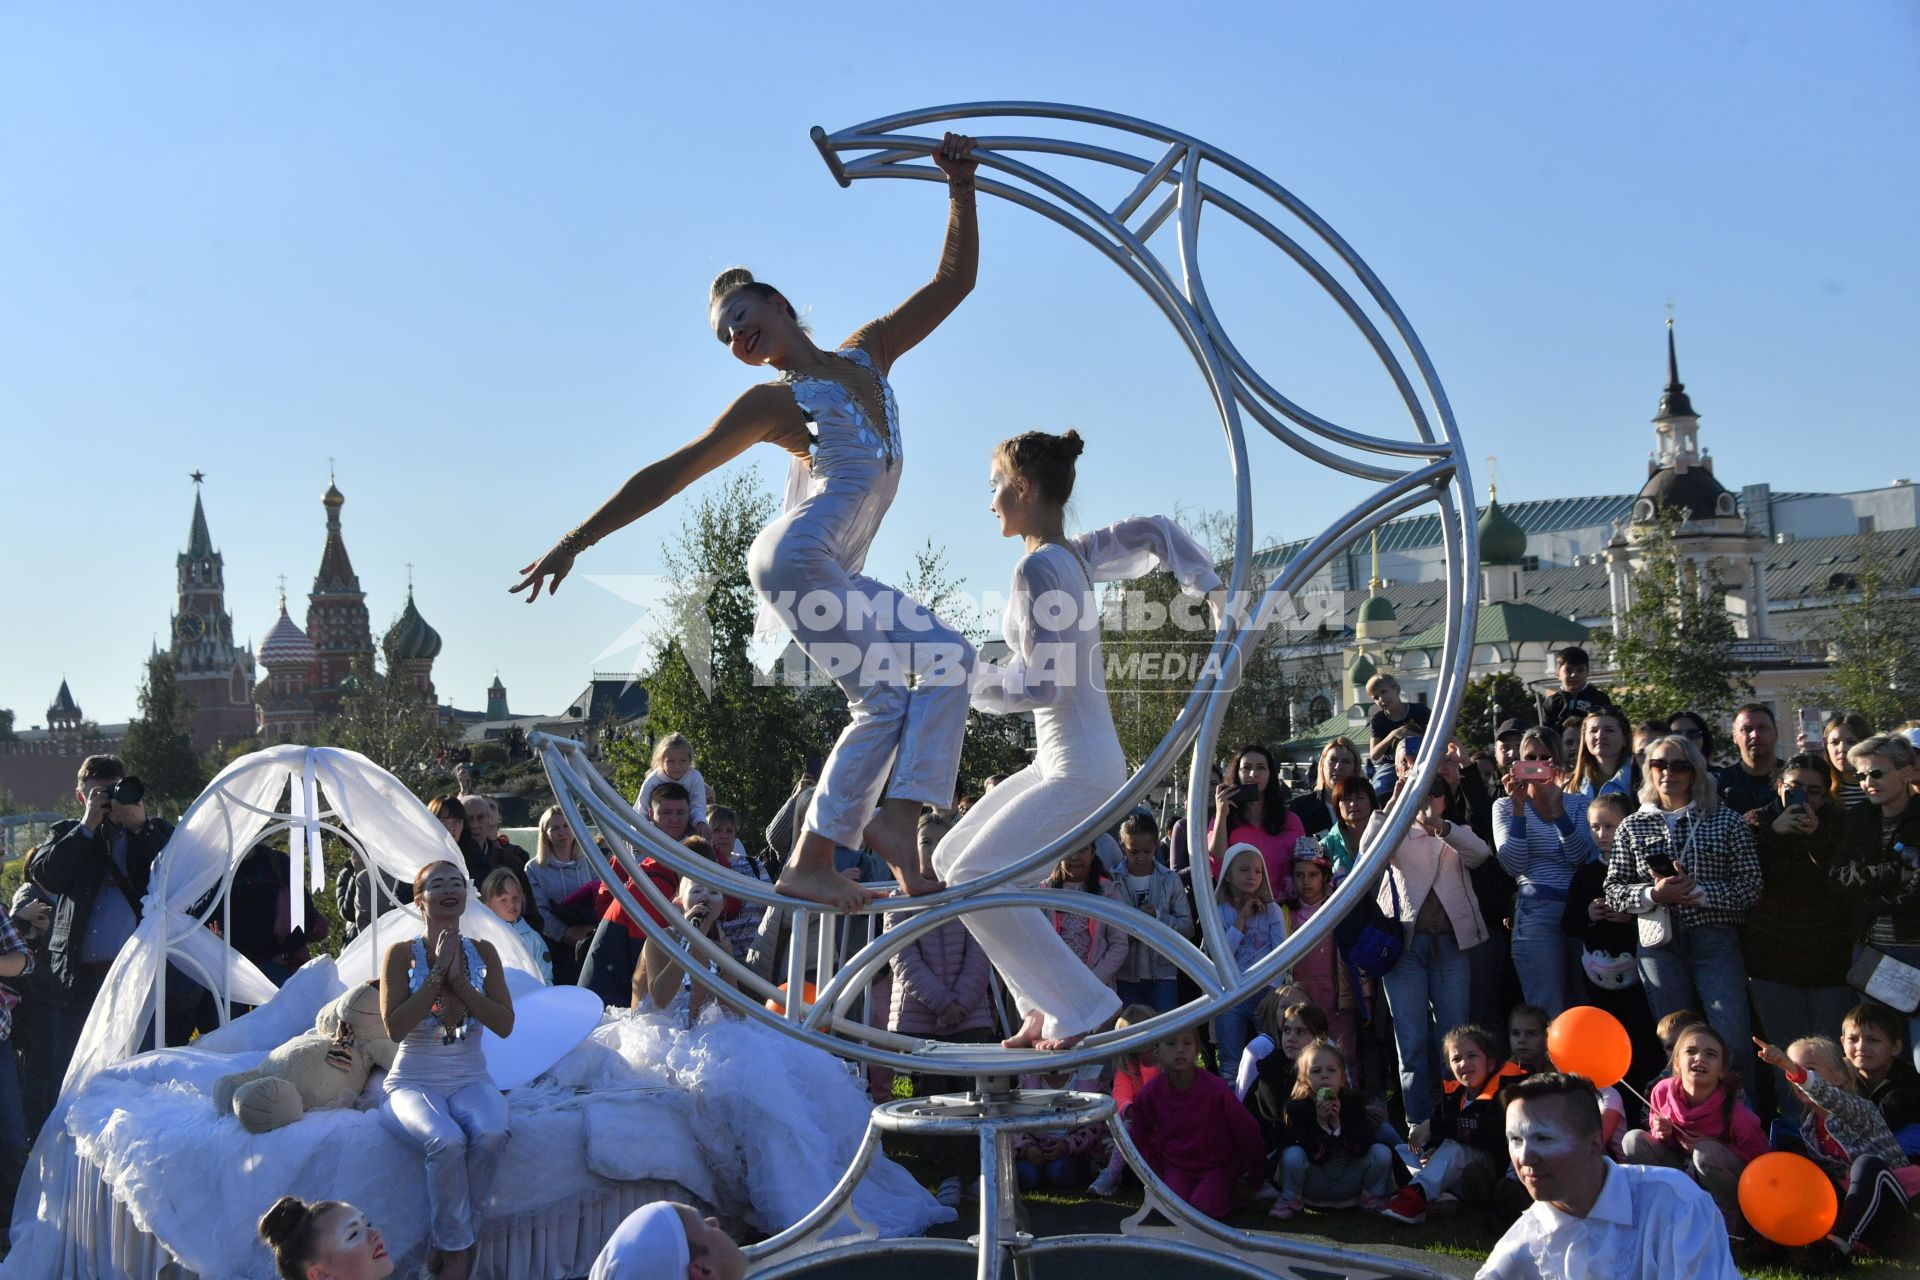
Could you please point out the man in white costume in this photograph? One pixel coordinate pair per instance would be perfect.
(1591, 1217)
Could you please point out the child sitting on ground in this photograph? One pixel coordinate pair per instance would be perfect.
(1848, 1137)
(1697, 1121)
(1057, 1157)
(1334, 1159)
(1194, 1134)
(1130, 1075)
(1464, 1147)
(502, 893)
(1269, 1065)
(1875, 1040)
(1527, 1038)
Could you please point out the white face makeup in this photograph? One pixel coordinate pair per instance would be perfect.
(443, 894)
(350, 1232)
(1538, 1139)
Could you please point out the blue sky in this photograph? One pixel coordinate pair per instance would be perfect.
(463, 251)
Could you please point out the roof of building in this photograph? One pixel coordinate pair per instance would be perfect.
(1548, 515)
(1376, 609)
(1673, 400)
(286, 644)
(1695, 491)
(1504, 622)
(199, 541)
(1502, 541)
(621, 699)
(1812, 567)
(64, 707)
(336, 576)
(1340, 724)
(410, 639)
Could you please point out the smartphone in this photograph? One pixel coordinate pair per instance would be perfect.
(1411, 745)
(1662, 865)
(1533, 770)
(1796, 796)
(1246, 794)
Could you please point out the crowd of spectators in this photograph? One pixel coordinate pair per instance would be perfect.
(1584, 860)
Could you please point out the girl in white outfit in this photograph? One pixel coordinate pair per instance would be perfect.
(904, 673)
(1052, 626)
(436, 994)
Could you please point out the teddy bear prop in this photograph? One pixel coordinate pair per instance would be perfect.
(325, 1067)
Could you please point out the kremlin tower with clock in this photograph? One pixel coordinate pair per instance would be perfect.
(215, 674)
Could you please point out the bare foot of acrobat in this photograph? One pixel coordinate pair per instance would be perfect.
(894, 835)
(1059, 1044)
(1028, 1036)
(825, 886)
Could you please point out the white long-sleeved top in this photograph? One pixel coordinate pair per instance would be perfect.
(1648, 1224)
(1052, 622)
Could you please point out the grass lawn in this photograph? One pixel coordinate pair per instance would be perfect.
(1454, 1245)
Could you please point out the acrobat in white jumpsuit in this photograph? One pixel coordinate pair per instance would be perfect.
(1052, 625)
(904, 672)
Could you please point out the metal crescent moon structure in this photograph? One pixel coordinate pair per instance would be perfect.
(1154, 235)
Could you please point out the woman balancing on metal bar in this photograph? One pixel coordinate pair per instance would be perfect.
(1052, 627)
(904, 672)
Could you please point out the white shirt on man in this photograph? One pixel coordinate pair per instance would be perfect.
(1647, 1224)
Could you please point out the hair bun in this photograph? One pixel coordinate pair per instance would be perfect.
(280, 1223)
(729, 280)
(1069, 445)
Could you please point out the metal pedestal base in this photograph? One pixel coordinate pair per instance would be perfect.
(1166, 1226)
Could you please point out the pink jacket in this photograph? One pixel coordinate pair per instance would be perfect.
(941, 967)
(1702, 1120)
(1204, 1126)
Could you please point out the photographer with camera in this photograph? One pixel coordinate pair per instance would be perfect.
(97, 868)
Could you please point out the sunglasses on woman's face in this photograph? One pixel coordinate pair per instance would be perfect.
(1670, 766)
(1870, 775)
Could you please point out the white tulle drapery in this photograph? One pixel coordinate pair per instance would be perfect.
(340, 790)
(395, 832)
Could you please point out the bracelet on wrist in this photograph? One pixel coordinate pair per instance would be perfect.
(957, 185)
(576, 540)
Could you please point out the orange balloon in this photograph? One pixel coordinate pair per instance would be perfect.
(807, 994)
(1788, 1199)
(1590, 1042)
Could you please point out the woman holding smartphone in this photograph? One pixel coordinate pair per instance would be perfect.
(1540, 836)
(1250, 807)
(1685, 865)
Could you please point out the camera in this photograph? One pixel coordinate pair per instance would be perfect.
(128, 790)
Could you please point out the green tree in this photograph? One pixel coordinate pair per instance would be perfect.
(994, 744)
(1674, 646)
(1871, 627)
(748, 732)
(1487, 702)
(159, 745)
(391, 721)
(6, 725)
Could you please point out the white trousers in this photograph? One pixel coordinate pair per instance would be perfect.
(1012, 820)
(462, 1135)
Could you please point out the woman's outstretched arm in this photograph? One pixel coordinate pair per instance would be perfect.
(764, 412)
(905, 327)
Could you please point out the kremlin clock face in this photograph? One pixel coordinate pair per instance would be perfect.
(190, 627)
